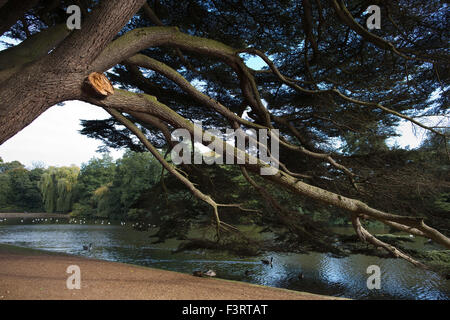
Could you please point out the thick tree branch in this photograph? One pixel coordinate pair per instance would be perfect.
(141, 38)
(37, 46)
(96, 33)
(173, 170)
(365, 236)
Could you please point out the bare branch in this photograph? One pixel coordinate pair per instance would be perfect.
(174, 171)
(365, 236)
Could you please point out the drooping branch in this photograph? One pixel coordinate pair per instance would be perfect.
(170, 168)
(400, 227)
(365, 236)
(163, 69)
(356, 206)
(174, 171)
(128, 101)
(305, 231)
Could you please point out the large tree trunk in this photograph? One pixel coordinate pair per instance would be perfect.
(36, 86)
(28, 94)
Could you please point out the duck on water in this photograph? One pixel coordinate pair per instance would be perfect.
(265, 261)
(209, 273)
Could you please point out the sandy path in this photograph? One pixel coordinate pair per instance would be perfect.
(31, 274)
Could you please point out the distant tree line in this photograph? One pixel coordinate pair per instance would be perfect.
(19, 190)
(110, 189)
(102, 187)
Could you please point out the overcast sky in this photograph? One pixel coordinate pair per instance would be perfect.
(53, 138)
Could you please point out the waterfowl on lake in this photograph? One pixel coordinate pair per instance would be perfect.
(265, 261)
(301, 276)
(210, 273)
(88, 248)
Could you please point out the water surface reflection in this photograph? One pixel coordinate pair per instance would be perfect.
(322, 274)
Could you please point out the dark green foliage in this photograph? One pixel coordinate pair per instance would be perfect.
(110, 189)
(19, 187)
(94, 174)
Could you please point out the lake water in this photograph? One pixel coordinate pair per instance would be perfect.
(322, 274)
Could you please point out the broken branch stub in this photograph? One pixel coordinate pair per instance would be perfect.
(99, 85)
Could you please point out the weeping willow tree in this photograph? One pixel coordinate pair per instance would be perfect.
(56, 186)
(101, 197)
